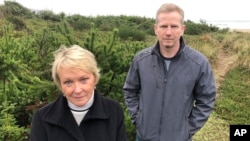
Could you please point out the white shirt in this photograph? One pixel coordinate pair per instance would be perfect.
(80, 112)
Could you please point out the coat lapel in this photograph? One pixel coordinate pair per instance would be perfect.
(98, 110)
(61, 115)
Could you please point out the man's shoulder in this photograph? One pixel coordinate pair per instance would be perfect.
(195, 55)
(144, 53)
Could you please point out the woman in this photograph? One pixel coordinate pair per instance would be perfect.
(81, 113)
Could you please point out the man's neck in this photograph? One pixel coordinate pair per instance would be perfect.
(169, 52)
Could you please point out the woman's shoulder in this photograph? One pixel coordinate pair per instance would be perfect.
(51, 105)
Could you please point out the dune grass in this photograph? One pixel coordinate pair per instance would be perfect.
(233, 95)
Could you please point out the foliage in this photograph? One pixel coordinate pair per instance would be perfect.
(17, 21)
(200, 28)
(9, 129)
(105, 23)
(20, 84)
(48, 15)
(79, 22)
(241, 47)
(127, 33)
(130, 127)
(12, 8)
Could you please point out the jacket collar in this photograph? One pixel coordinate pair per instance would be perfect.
(59, 114)
(98, 109)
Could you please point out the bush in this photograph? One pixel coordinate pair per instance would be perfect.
(48, 15)
(18, 22)
(127, 33)
(199, 28)
(9, 130)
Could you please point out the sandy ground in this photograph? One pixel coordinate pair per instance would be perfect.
(241, 30)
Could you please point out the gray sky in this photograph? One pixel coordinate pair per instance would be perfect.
(208, 10)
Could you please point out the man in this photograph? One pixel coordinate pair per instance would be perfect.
(170, 89)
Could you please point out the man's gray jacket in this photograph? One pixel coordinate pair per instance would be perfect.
(169, 105)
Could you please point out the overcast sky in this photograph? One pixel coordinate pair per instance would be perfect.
(195, 10)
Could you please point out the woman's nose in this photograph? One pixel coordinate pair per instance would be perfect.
(77, 88)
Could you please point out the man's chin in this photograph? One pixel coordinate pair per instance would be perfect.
(168, 45)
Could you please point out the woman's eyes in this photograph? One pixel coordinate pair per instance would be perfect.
(84, 79)
(67, 83)
(70, 82)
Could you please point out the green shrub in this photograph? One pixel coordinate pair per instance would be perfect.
(79, 22)
(200, 28)
(9, 130)
(18, 22)
(12, 8)
(48, 15)
(127, 33)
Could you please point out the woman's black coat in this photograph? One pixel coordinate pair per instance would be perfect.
(103, 122)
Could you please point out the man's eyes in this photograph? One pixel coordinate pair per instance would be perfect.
(172, 26)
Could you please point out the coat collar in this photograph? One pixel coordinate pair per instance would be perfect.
(58, 113)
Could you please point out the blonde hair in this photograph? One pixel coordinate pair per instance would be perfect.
(74, 57)
(169, 7)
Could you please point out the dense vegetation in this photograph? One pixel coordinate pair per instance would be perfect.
(28, 39)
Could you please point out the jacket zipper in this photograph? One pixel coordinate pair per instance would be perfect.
(164, 93)
(155, 73)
